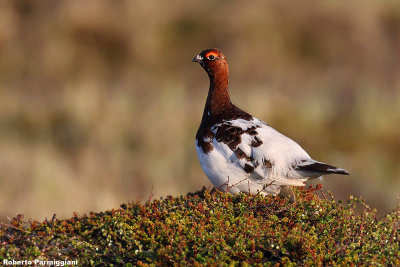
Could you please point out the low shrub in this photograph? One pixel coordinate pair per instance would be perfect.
(214, 228)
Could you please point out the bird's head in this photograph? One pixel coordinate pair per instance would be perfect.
(212, 60)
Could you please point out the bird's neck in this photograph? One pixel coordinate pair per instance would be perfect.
(218, 99)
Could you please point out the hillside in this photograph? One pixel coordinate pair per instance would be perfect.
(210, 227)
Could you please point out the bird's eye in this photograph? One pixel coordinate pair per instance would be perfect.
(211, 57)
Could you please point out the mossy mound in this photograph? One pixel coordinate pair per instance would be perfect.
(214, 228)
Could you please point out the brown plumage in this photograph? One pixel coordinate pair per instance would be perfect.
(218, 105)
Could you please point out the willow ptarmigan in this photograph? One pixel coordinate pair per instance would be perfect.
(239, 152)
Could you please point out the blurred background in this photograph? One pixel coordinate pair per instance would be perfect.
(100, 102)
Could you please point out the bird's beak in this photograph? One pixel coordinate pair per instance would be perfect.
(197, 59)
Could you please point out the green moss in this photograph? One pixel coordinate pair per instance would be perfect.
(214, 228)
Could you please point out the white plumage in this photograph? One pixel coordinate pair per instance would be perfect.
(222, 164)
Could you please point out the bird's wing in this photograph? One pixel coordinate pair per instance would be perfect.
(263, 153)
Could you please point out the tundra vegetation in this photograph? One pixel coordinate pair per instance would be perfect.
(212, 227)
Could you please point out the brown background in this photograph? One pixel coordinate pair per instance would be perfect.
(99, 100)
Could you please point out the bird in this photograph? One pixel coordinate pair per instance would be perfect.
(240, 153)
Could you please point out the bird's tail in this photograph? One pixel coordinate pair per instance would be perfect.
(317, 168)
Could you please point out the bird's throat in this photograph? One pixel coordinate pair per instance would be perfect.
(218, 98)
